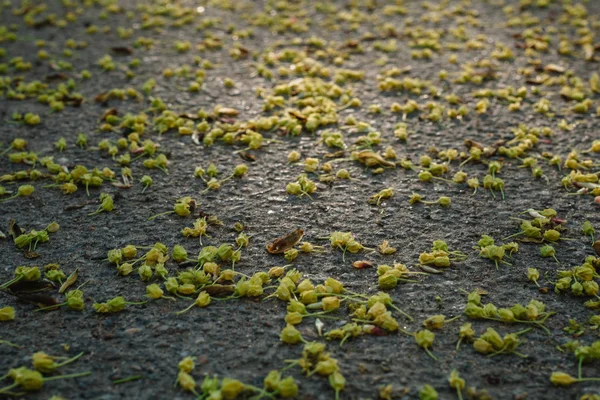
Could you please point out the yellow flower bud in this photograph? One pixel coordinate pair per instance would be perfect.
(276, 272)
(116, 304)
(494, 338)
(291, 254)
(185, 381)
(283, 293)
(290, 335)
(293, 318)
(387, 322)
(482, 346)
(305, 285)
(43, 362)
(114, 256)
(326, 367)
(293, 156)
(182, 209)
(154, 291)
(533, 274)
(296, 306)
(7, 314)
(203, 299)
(145, 272)
(272, 380)
(240, 170)
(331, 303)
(53, 227)
(227, 275)
(376, 310)
(562, 379)
(434, 322)
(187, 364)
(444, 201)
(29, 380)
(101, 307)
(75, 300)
(424, 338)
(552, 235)
(309, 297)
(506, 315)
(337, 382)
(211, 268)
(335, 286)
(342, 174)
(179, 253)
(388, 281)
(455, 381)
(490, 310)
(186, 288)
(25, 190)
(287, 388)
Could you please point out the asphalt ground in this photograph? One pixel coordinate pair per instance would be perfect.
(338, 79)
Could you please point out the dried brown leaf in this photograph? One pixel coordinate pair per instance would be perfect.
(429, 269)
(14, 230)
(110, 111)
(231, 112)
(282, 244)
(554, 68)
(219, 290)
(244, 155)
(121, 185)
(70, 280)
(362, 264)
(30, 254)
(37, 298)
(122, 50)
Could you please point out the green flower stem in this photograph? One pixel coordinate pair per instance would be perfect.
(98, 211)
(411, 319)
(136, 303)
(10, 198)
(357, 294)
(5, 390)
(233, 296)
(430, 354)
(186, 309)
(513, 235)
(160, 214)
(78, 375)
(12, 281)
(538, 323)
(260, 391)
(128, 379)
(52, 307)
(6, 342)
(442, 179)
(292, 363)
(588, 380)
(499, 351)
(344, 339)
(70, 360)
